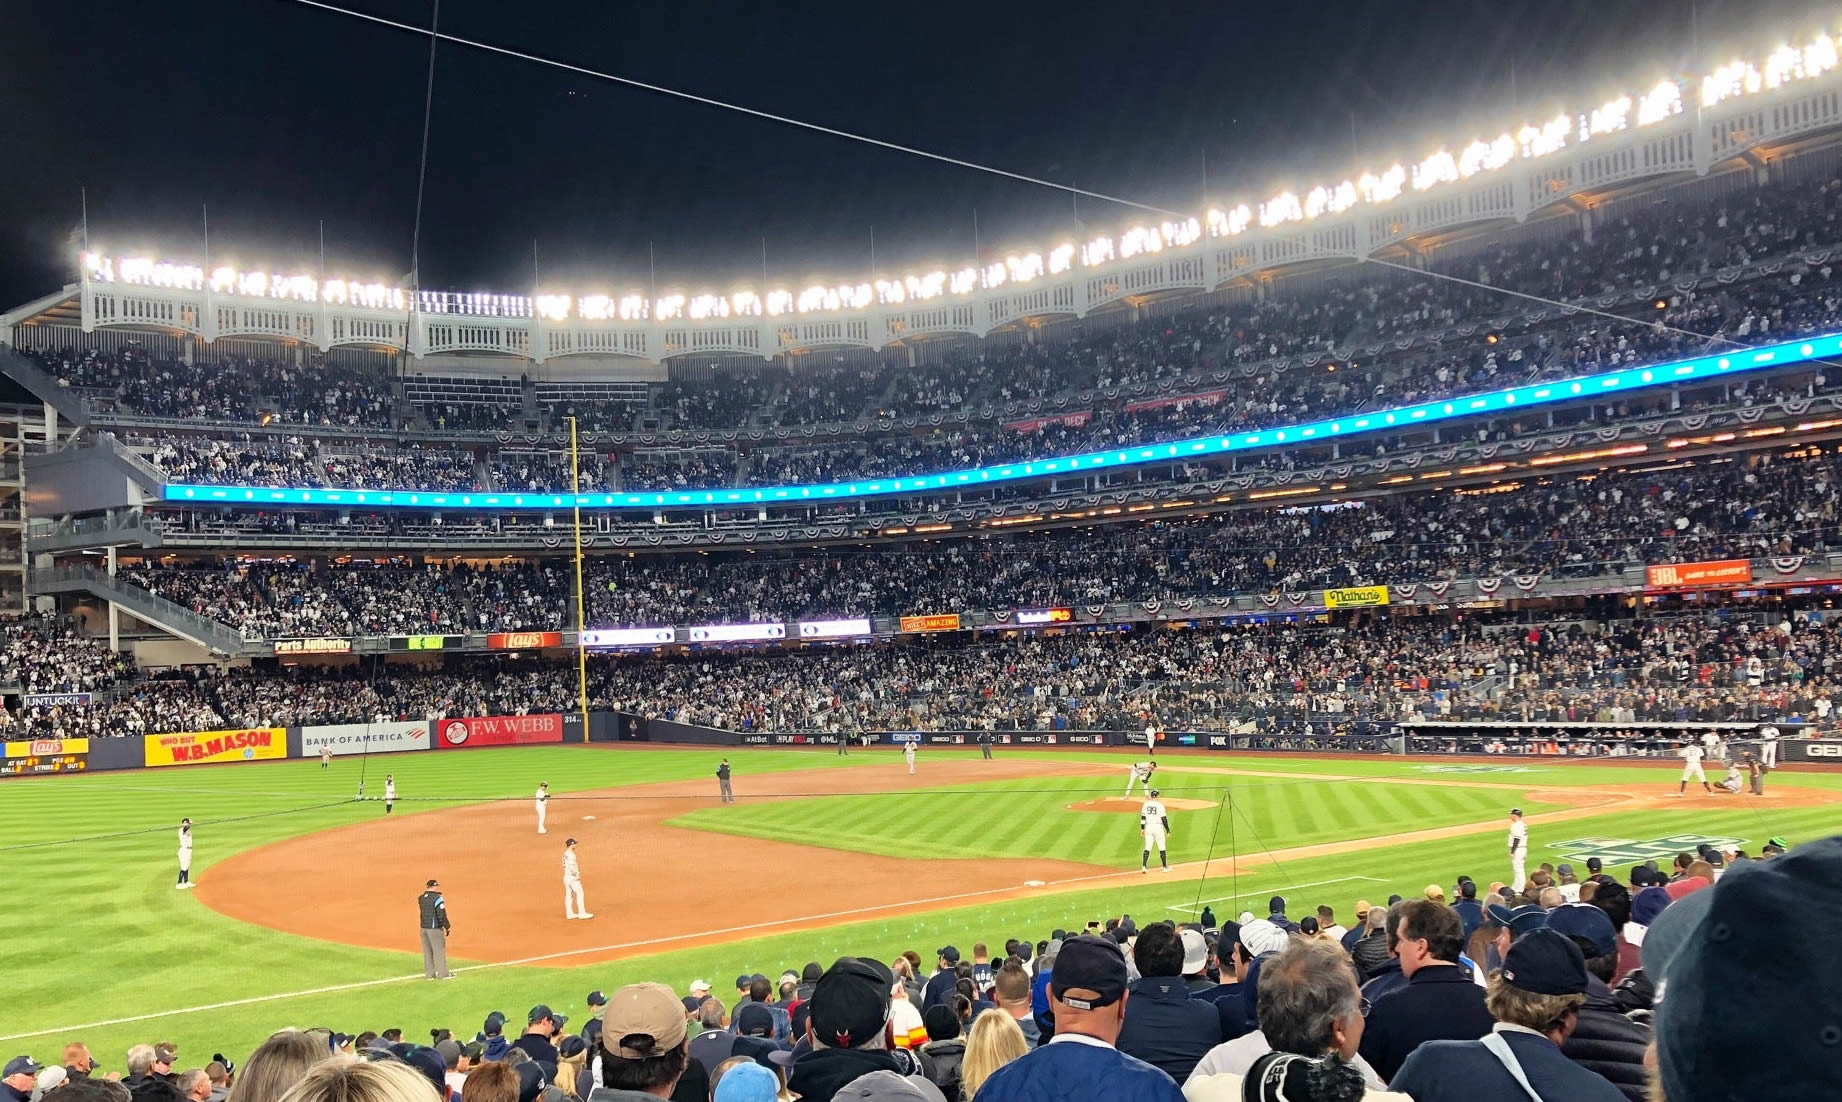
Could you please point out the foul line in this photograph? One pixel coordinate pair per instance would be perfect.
(1197, 909)
(546, 957)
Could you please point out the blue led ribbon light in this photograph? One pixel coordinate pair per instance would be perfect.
(1388, 420)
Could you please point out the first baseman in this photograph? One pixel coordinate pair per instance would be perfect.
(390, 792)
(908, 751)
(1518, 849)
(185, 854)
(1141, 775)
(543, 804)
(1154, 824)
(574, 906)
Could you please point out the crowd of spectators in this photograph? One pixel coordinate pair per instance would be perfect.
(1284, 680)
(295, 461)
(1646, 986)
(1575, 527)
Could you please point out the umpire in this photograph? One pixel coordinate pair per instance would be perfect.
(434, 922)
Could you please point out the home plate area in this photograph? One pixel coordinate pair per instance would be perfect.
(1133, 803)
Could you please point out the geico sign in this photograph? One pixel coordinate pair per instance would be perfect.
(1823, 750)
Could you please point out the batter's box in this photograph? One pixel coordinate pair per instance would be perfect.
(1630, 851)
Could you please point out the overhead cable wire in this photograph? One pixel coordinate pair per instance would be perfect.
(436, 35)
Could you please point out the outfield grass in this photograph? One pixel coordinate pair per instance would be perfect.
(1031, 817)
(98, 933)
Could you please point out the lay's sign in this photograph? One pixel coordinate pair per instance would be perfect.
(206, 747)
(1362, 596)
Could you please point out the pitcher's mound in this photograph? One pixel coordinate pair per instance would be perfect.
(1133, 803)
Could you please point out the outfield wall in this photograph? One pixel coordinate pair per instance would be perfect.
(1564, 741)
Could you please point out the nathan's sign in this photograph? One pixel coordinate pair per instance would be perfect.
(1362, 596)
(944, 622)
(1683, 574)
(523, 640)
(204, 747)
(313, 646)
(454, 734)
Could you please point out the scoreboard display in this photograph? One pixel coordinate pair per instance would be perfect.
(38, 756)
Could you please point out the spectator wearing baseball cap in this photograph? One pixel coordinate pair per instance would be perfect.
(1164, 1026)
(644, 1053)
(1470, 912)
(1603, 1039)
(597, 1006)
(1535, 1001)
(1355, 933)
(1089, 993)
(1734, 988)
(1612, 898)
(1195, 962)
(1238, 1014)
(537, 1041)
(943, 981)
(1440, 1002)
(761, 993)
(849, 1034)
(19, 1079)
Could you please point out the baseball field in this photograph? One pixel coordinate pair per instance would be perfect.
(304, 911)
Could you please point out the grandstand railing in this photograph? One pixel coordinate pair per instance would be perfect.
(158, 611)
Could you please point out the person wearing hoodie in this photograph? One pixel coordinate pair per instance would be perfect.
(1371, 953)
(1603, 1039)
(944, 1052)
(849, 1031)
(492, 1035)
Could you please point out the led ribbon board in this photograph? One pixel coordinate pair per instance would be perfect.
(1387, 420)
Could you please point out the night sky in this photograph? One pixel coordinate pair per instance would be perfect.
(279, 116)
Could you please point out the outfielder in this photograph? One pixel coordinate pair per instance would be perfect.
(185, 854)
(1768, 746)
(1154, 824)
(326, 754)
(908, 751)
(573, 904)
(1141, 775)
(1518, 849)
(390, 792)
(543, 804)
(1691, 769)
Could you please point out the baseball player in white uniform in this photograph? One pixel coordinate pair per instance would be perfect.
(326, 754)
(1691, 768)
(1518, 849)
(185, 854)
(908, 751)
(1141, 775)
(390, 792)
(1768, 746)
(1151, 740)
(1154, 824)
(574, 906)
(543, 804)
(1734, 781)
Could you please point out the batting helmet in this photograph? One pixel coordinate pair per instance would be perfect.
(1154, 793)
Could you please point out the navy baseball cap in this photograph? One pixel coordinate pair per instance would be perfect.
(1724, 967)
(949, 954)
(21, 1065)
(850, 1003)
(1518, 920)
(531, 1081)
(754, 1020)
(1543, 962)
(596, 998)
(1089, 964)
(426, 1061)
(1583, 920)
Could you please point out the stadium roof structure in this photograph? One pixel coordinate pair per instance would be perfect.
(1738, 118)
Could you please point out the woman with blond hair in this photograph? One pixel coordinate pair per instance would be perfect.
(352, 1081)
(277, 1065)
(995, 1041)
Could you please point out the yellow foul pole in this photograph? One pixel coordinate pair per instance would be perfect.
(575, 489)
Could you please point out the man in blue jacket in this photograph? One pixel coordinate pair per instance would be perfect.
(1165, 1027)
(1536, 1001)
(1470, 911)
(1080, 1064)
(1440, 1001)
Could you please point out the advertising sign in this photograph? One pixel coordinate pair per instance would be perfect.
(426, 642)
(944, 622)
(55, 700)
(833, 629)
(524, 640)
(455, 734)
(1045, 616)
(1362, 596)
(1718, 572)
(313, 646)
(627, 637)
(205, 747)
(736, 633)
(364, 738)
